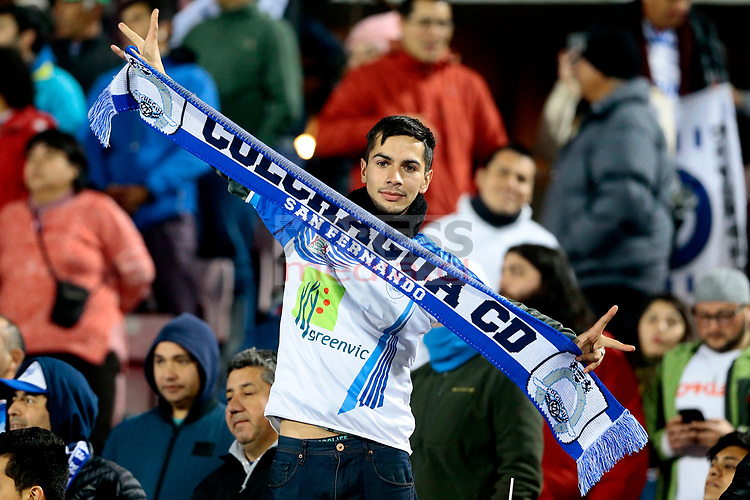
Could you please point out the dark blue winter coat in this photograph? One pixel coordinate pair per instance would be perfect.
(170, 460)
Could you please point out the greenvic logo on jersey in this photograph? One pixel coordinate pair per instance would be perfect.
(318, 299)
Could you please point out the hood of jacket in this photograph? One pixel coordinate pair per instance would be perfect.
(196, 337)
(71, 403)
(635, 89)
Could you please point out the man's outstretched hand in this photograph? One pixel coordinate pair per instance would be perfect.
(592, 343)
(149, 48)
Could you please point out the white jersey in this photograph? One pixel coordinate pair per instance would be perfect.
(347, 342)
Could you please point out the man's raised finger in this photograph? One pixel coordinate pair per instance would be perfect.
(153, 29)
(134, 37)
(616, 344)
(117, 50)
(601, 324)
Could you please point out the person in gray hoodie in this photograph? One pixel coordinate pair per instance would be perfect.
(610, 199)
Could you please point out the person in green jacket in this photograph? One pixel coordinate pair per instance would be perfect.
(475, 429)
(256, 64)
(711, 375)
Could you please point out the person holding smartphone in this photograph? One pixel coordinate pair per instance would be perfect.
(703, 386)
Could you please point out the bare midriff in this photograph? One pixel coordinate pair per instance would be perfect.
(298, 430)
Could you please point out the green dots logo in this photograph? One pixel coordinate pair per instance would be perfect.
(318, 300)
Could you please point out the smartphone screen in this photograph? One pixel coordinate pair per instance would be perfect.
(691, 415)
(576, 42)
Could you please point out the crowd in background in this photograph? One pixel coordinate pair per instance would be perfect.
(89, 235)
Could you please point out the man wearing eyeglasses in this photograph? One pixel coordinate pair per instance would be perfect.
(703, 389)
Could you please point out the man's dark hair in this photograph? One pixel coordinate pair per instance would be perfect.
(517, 148)
(16, 85)
(36, 457)
(166, 12)
(263, 358)
(407, 6)
(15, 339)
(736, 438)
(402, 125)
(68, 145)
(29, 18)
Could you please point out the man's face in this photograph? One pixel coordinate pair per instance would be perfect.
(506, 184)
(427, 31)
(247, 395)
(666, 14)
(73, 20)
(722, 470)
(394, 173)
(8, 31)
(176, 375)
(589, 78)
(28, 410)
(138, 17)
(721, 325)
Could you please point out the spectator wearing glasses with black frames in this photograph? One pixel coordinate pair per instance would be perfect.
(703, 387)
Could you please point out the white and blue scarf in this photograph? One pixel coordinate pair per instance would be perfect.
(78, 454)
(585, 418)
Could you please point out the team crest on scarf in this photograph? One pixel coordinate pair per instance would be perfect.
(564, 394)
(156, 103)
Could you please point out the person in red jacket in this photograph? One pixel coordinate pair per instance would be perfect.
(72, 263)
(19, 121)
(541, 277)
(422, 78)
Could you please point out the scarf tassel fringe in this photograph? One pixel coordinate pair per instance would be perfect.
(625, 436)
(100, 116)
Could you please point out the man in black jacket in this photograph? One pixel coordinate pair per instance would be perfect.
(740, 487)
(245, 473)
(53, 395)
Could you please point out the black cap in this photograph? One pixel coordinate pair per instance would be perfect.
(613, 51)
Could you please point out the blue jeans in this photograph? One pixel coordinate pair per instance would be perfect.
(348, 468)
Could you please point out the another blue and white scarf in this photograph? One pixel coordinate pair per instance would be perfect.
(78, 454)
(585, 418)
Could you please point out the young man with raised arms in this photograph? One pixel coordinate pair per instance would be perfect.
(344, 422)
